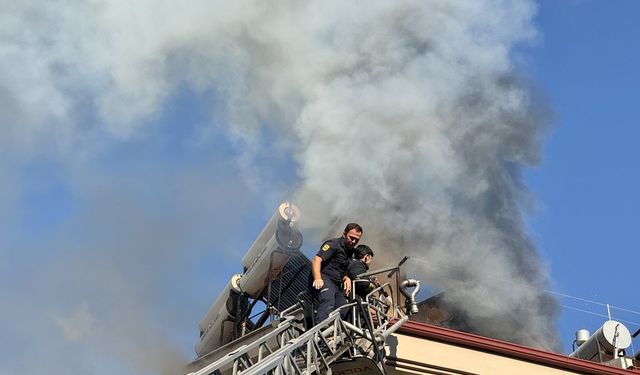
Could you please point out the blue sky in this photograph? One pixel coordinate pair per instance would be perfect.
(127, 198)
(587, 187)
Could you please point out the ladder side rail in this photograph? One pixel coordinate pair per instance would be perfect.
(236, 354)
(395, 326)
(324, 334)
(291, 310)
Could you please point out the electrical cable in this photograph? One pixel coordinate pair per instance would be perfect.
(457, 268)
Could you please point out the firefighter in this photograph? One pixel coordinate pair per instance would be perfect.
(329, 272)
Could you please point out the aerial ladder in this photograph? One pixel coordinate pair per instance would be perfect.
(275, 275)
(292, 346)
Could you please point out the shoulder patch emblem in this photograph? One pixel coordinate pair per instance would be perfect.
(325, 247)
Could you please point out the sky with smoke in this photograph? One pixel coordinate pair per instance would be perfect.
(144, 145)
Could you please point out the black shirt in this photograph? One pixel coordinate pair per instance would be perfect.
(357, 267)
(334, 259)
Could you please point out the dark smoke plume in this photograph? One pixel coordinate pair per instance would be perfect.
(408, 116)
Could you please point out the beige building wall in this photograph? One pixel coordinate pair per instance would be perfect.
(412, 355)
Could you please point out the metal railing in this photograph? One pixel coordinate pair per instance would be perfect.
(290, 349)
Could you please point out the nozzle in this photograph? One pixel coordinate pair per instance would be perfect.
(411, 283)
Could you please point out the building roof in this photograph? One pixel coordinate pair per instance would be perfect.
(507, 349)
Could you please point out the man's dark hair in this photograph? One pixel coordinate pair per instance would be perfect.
(361, 250)
(351, 226)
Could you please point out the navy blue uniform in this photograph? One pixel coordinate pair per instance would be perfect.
(332, 269)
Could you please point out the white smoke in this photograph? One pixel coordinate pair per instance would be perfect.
(405, 115)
